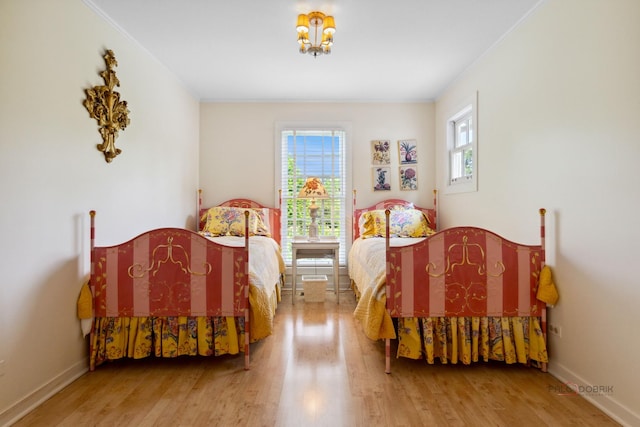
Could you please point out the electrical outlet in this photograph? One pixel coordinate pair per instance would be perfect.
(555, 329)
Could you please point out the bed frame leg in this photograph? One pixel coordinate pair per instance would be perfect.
(387, 356)
(247, 317)
(247, 339)
(246, 358)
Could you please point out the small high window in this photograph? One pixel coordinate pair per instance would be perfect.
(462, 149)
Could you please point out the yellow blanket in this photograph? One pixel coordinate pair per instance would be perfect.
(85, 302)
(261, 314)
(372, 313)
(547, 291)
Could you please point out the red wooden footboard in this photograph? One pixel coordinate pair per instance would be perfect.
(171, 272)
(464, 272)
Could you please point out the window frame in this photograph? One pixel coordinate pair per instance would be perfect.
(467, 110)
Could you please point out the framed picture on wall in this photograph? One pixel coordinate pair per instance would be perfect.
(408, 151)
(381, 178)
(381, 152)
(408, 178)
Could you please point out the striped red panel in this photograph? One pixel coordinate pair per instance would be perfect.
(169, 272)
(464, 272)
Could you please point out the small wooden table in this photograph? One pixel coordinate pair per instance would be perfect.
(324, 248)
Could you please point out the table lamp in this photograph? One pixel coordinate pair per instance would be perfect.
(313, 189)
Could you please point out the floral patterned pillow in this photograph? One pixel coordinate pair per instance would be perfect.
(229, 221)
(362, 226)
(404, 223)
(262, 222)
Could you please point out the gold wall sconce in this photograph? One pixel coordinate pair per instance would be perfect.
(104, 105)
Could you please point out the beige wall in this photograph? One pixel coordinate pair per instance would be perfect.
(558, 128)
(237, 146)
(51, 175)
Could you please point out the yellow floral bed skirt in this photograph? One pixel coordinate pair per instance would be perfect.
(471, 339)
(138, 337)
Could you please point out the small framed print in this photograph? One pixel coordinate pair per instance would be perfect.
(381, 178)
(408, 178)
(408, 151)
(381, 152)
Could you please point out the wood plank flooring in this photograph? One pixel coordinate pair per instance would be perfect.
(317, 369)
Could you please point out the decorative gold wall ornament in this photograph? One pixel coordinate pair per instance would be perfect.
(104, 105)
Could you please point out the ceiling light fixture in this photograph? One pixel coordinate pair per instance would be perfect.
(321, 43)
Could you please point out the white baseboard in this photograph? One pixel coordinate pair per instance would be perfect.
(606, 402)
(44, 392)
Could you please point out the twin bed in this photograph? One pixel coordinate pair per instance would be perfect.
(459, 295)
(171, 292)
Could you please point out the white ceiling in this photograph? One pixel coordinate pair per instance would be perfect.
(384, 50)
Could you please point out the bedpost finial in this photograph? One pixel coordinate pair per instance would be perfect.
(543, 211)
(92, 213)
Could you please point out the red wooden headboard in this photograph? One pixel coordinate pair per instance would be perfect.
(272, 215)
(430, 213)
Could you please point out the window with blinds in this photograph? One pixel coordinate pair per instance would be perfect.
(317, 153)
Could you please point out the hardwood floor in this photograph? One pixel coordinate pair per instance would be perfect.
(318, 369)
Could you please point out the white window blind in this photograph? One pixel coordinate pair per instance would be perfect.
(313, 153)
